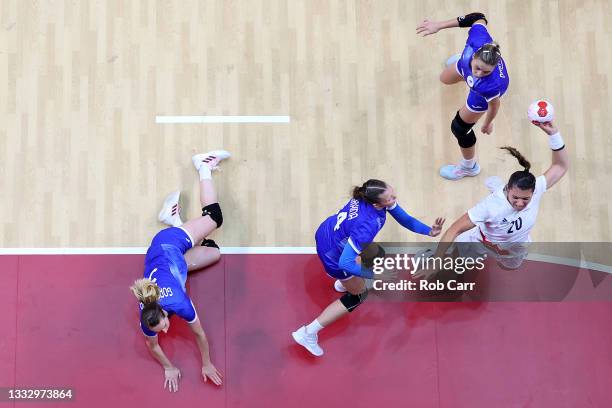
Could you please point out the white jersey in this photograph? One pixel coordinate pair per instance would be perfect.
(500, 223)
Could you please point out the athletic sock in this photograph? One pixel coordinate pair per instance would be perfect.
(314, 327)
(205, 173)
(468, 164)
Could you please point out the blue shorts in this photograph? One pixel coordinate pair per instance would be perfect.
(476, 102)
(166, 253)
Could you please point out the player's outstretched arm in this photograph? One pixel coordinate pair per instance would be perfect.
(172, 375)
(209, 371)
(560, 157)
(461, 225)
(428, 27)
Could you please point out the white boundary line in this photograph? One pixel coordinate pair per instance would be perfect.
(143, 250)
(271, 251)
(221, 119)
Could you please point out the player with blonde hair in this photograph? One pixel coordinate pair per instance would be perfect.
(172, 254)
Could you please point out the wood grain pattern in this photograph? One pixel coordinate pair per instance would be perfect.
(84, 164)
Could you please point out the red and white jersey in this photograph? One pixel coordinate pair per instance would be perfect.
(500, 223)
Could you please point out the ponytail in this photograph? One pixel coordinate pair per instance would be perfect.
(146, 291)
(369, 191)
(489, 53)
(523, 179)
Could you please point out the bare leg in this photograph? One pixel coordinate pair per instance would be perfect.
(336, 309)
(469, 117)
(208, 194)
(202, 227)
(200, 257)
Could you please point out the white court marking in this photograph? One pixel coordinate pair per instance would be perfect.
(579, 263)
(222, 119)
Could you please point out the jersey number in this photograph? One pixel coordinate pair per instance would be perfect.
(341, 217)
(165, 292)
(516, 224)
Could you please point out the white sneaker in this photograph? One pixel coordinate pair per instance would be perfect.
(452, 59)
(339, 286)
(308, 340)
(170, 213)
(494, 183)
(457, 171)
(210, 159)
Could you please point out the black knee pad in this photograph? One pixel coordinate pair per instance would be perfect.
(463, 132)
(210, 243)
(351, 301)
(214, 211)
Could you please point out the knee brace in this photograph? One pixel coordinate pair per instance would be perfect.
(463, 132)
(214, 211)
(351, 301)
(210, 243)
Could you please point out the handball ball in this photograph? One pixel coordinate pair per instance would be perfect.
(541, 111)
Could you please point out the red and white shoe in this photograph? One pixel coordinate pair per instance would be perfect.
(210, 159)
(170, 212)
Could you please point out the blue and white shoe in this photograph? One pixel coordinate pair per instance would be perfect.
(457, 171)
(339, 287)
(452, 60)
(494, 183)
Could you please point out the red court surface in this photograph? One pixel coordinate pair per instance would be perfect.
(70, 321)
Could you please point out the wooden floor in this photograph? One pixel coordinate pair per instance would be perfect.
(85, 164)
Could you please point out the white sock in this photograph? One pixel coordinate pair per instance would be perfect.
(468, 164)
(314, 327)
(205, 173)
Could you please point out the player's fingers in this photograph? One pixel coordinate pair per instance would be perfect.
(166, 381)
(216, 379)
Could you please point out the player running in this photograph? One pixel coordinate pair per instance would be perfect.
(340, 241)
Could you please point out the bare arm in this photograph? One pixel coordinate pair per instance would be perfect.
(172, 374)
(157, 352)
(560, 158)
(494, 105)
(462, 224)
(208, 369)
(428, 27)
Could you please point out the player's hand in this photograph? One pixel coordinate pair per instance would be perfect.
(424, 273)
(548, 127)
(427, 28)
(386, 275)
(172, 377)
(436, 228)
(210, 371)
(487, 128)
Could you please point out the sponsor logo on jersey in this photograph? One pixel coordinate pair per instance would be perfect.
(500, 67)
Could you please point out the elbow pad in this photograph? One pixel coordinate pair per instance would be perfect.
(469, 19)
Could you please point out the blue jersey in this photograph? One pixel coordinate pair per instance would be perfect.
(165, 265)
(356, 224)
(482, 90)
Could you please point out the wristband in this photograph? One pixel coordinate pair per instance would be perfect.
(556, 141)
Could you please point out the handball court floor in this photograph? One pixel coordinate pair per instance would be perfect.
(70, 321)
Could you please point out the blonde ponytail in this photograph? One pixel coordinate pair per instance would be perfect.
(145, 290)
